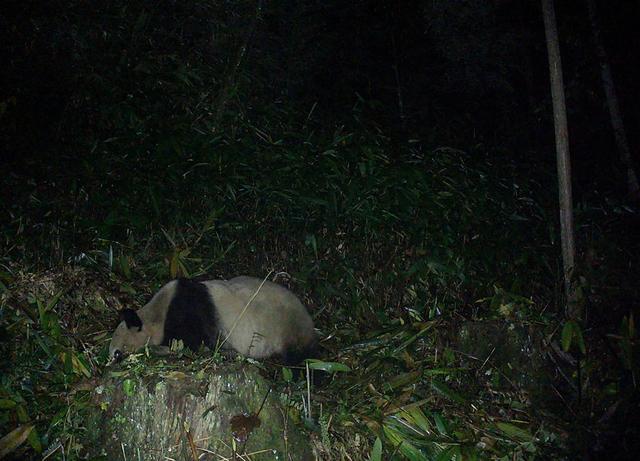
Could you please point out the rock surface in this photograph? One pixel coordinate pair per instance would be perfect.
(209, 414)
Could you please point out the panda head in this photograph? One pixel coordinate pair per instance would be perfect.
(130, 335)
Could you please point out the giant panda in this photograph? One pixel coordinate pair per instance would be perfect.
(256, 318)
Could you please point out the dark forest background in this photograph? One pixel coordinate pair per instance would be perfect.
(392, 162)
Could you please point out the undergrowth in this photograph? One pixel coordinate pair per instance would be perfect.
(385, 251)
(397, 248)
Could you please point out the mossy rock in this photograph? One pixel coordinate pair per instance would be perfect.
(192, 415)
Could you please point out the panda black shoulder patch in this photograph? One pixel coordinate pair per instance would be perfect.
(190, 316)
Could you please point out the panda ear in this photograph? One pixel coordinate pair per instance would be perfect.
(131, 318)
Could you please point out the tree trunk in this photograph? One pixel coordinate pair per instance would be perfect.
(617, 123)
(562, 155)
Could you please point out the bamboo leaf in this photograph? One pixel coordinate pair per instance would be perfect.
(567, 335)
(443, 389)
(419, 418)
(81, 366)
(14, 439)
(329, 367)
(6, 404)
(440, 424)
(51, 304)
(580, 340)
(398, 439)
(287, 374)
(376, 453)
(515, 432)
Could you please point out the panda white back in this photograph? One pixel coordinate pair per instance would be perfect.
(260, 318)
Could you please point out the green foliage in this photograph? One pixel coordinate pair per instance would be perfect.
(628, 345)
(376, 451)
(572, 334)
(128, 387)
(329, 367)
(287, 374)
(45, 365)
(389, 242)
(627, 336)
